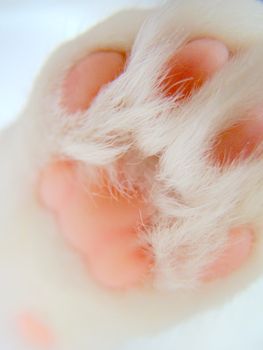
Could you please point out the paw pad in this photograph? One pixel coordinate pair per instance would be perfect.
(102, 224)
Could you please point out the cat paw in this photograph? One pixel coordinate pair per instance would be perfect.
(102, 219)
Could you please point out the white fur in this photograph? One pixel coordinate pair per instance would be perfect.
(194, 203)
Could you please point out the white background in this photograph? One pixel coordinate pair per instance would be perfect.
(29, 30)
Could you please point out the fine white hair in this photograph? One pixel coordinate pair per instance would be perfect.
(166, 145)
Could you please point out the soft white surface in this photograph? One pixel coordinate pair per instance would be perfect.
(236, 326)
(29, 30)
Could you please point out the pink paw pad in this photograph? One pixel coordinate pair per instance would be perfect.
(236, 252)
(101, 227)
(88, 76)
(34, 331)
(240, 140)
